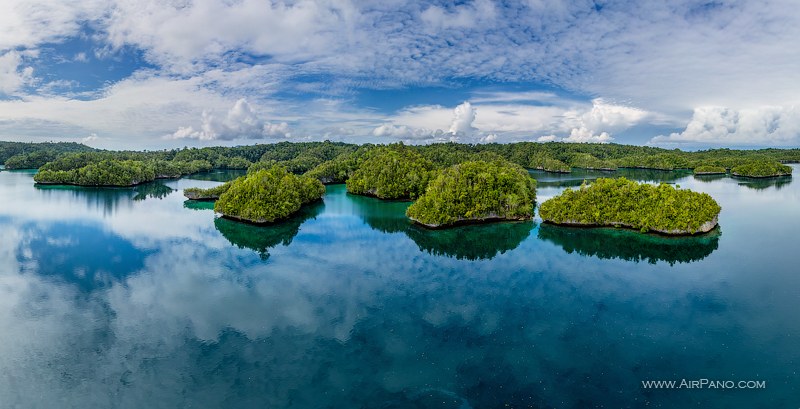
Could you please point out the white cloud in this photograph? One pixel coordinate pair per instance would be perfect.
(463, 117)
(779, 126)
(547, 138)
(241, 122)
(467, 16)
(29, 23)
(403, 132)
(182, 35)
(91, 138)
(584, 135)
(12, 76)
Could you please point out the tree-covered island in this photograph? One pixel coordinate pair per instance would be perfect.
(210, 194)
(761, 169)
(623, 203)
(396, 172)
(710, 170)
(473, 192)
(267, 196)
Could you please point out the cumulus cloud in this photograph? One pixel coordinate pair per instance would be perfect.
(241, 122)
(720, 125)
(584, 135)
(463, 117)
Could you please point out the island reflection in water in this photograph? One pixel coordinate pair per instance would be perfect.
(624, 244)
(470, 242)
(261, 238)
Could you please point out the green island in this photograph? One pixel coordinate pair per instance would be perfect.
(761, 169)
(267, 196)
(620, 202)
(441, 177)
(397, 172)
(210, 194)
(710, 170)
(474, 192)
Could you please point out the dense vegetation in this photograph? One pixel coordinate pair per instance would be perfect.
(103, 173)
(761, 169)
(475, 191)
(108, 169)
(709, 170)
(394, 172)
(268, 195)
(196, 193)
(336, 162)
(587, 161)
(620, 202)
(25, 155)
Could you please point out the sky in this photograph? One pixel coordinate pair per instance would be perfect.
(155, 74)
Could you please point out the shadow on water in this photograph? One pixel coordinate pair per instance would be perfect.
(155, 190)
(764, 183)
(471, 242)
(610, 243)
(262, 238)
(710, 178)
(107, 198)
(198, 204)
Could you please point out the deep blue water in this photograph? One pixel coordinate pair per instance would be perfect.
(134, 298)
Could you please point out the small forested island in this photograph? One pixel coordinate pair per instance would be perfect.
(476, 191)
(210, 194)
(624, 203)
(267, 196)
(549, 164)
(391, 173)
(761, 169)
(710, 170)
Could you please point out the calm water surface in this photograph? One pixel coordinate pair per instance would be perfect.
(134, 298)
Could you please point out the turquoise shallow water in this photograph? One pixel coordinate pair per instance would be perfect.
(135, 298)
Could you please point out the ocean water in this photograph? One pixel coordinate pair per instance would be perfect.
(131, 298)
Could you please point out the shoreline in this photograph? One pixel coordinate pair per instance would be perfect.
(469, 222)
(705, 228)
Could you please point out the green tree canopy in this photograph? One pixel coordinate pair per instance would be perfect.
(476, 190)
(621, 202)
(268, 195)
(394, 172)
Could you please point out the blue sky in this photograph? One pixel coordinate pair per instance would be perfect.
(158, 74)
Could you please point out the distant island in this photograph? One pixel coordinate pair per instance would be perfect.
(710, 170)
(474, 192)
(761, 169)
(623, 203)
